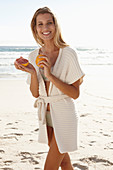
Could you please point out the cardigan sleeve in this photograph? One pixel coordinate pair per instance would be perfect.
(32, 57)
(74, 71)
(28, 80)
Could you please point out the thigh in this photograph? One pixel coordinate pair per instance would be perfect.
(54, 157)
(49, 132)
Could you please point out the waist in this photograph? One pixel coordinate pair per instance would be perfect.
(42, 102)
(50, 99)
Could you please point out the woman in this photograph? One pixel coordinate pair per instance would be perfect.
(55, 86)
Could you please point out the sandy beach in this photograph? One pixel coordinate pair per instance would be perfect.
(19, 149)
(87, 27)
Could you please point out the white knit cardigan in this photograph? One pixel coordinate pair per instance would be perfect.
(62, 108)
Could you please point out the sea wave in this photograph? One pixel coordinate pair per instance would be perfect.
(17, 48)
(7, 64)
(87, 57)
(13, 76)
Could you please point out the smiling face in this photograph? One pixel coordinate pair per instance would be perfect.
(45, 26)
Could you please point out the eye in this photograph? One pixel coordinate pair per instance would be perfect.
(40, 24)
(49, 23)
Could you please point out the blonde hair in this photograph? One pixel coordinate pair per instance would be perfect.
(58, 40)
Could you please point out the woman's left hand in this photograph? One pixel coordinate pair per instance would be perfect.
(47, 66)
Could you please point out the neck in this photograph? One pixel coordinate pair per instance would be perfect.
(49, 47)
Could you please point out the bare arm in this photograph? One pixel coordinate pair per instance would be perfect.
(34, 86)
(72, 90)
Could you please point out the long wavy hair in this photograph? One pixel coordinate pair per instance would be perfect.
(58, 40)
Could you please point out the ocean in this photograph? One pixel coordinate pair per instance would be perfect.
(92, 60)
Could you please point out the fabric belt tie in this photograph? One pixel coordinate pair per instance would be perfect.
(41, 103)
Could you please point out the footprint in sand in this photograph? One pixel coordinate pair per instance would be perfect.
(12, 128)
(97, 121)
(33, 161)
(31, 140)
(106, 135)
(95, 159)
(78, 165)
(8, 137)
(84, 115)
(2, 151)
(109, 146)
(17, 134)
(92, 141)
(82, 147)
(8, 162)
(7, 168)
(9, 123)
(42, 152)
(36, 130)
(28, 156)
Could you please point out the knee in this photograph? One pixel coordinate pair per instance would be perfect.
(49, 168)
(65, 164)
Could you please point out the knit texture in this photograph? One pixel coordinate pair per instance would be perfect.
(63, 112)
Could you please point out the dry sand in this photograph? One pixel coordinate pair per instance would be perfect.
(19, 149)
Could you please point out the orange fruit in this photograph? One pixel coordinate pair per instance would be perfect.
(39, 59)
(26, 64)
(22, 61)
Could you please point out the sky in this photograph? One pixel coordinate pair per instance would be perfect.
(86, 23)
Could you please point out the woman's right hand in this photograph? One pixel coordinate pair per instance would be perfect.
(29, 68)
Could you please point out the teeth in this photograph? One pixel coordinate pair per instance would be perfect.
(46, 33)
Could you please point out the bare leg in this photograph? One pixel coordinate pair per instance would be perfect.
(66, 163)
(54, 158)
(50, 134)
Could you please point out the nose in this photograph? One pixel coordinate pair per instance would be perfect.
(45, 27)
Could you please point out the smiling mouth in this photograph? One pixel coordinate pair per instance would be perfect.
(46, 33)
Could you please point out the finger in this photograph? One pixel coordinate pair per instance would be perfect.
(20, 67)
(15, 63)
(16, 66)
(43, 56)
(47, 59)
(25, 68)
(43, 66)
(44, 63)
